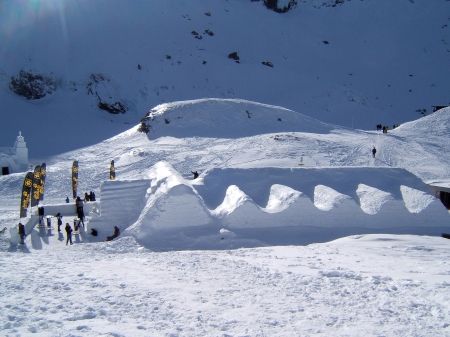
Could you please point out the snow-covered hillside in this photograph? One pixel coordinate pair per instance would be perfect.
(358, 63)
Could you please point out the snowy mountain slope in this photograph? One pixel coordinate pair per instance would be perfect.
(417, 151)
(372, 62)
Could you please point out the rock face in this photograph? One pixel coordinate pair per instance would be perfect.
(280, 6)
(102, 88)
(32, 86)
(114, 108)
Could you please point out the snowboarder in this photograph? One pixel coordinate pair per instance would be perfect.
(80, 211)
(69, 234)
(115, 234)
(59, 217)
(21, 233)
(195, 173)
(374, 151)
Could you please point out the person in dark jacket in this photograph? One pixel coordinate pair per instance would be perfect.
(80, 211)
(115, 234)
(67, 200)
(69, 234)
(59, 217)
(21, 231)
(374, 151)
(195, 173)
(87, 197)
(92, 196)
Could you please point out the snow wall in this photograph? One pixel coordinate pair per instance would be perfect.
(166, 209)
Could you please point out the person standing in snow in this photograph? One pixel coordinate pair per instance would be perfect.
(67, 200)
(69, 234)
(374, 151)
(59, 217)
(80, 211)
(195, 173)
(21, 231)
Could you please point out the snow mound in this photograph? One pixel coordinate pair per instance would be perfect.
(280, 198)
(416, 201)
(234, 198)
(326, 198)
(372, 199)
(227, 118)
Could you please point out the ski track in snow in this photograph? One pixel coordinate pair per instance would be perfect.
(342, 288)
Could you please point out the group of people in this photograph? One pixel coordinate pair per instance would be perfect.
(87, 197)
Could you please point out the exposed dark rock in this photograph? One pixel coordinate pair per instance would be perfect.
(144, 127)
(325, 42)
(32, 86)
(267, 63)
(196, 35)
(114, 108)
(273, 5)
(234, 56)
(209, 32)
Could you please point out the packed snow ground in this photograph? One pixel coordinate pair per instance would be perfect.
(374, 285)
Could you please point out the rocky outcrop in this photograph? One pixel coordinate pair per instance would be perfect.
(280, 6)
(100, 86)
(32, 86)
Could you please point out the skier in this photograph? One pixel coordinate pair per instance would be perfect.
(59, 217)
(195, 173)
(80, 212)
(21, 233)
(374, 151)
(69, 234)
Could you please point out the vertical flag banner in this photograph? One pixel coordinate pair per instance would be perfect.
(74, 178)
(43, 175)
(112, 171)
(26, 194)
(36, 189)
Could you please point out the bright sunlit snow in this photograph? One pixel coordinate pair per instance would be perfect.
(293, 227)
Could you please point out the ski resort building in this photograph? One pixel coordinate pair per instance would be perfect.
(14, 159)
